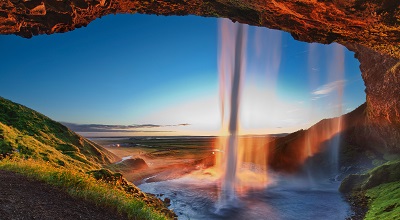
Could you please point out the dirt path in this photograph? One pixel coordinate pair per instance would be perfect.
(24, 198)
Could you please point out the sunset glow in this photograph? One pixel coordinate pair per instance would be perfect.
(217, 110)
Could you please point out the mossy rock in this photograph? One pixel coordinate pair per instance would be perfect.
(353, 182)
(386, 173)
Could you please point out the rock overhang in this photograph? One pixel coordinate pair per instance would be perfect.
(374, 24)
(370, 28)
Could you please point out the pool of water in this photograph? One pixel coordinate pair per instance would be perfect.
(287, 199)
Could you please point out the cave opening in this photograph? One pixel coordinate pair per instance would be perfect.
(142, 75)
(85, 80)
(134, 65)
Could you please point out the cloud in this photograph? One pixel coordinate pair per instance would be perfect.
(324, 90)
(116, 128)
(184, 124)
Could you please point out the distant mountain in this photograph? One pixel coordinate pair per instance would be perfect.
(29, 134)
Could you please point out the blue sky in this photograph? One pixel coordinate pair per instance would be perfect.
(142, 69)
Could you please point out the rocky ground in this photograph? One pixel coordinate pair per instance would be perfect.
(24, 198)
(359, 205)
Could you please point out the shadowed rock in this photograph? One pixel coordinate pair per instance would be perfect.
(136, 163)
(374, 24)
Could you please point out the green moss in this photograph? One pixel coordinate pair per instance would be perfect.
(353, 182)
(381, 186)
(386, 173)
(384, 201)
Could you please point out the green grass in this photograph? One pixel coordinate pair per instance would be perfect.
(384, 191)
(384, 201)
(38, 147)
(381, 186)
(33, 135)
(385, 173)
(84, 186)
(20, 145)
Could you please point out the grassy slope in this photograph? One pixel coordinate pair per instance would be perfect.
(381, 186)
(36, 136)
(383, 189)
(384, 201)
(86, 187)
(47, 150)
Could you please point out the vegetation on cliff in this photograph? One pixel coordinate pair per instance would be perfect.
(384, 201)
(29, 134)
(380, 187)
(38, 147)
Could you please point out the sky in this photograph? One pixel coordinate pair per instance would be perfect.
(156, 75)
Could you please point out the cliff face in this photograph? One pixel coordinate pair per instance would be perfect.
(371, 28)
(381, 74)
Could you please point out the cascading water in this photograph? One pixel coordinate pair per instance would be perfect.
(337, 73)
(234, 74)
(243, 162)
(326, 136)
(238, 155)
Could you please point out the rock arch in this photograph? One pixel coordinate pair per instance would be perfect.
(370, 28)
